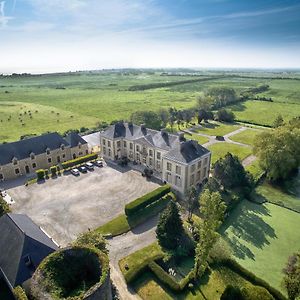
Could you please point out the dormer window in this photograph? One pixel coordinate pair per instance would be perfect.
(48, 151)
(15, 161)
(32, 155)
(62, 147)
(27, 261)
(79, 145)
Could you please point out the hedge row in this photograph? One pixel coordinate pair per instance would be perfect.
(19, 293)
(133, 273)
(150, 210)
(140, 203)
(79, 160)
(236, 267)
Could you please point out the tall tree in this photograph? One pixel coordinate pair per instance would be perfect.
(212, 210)
(164, 116)
(278, 150)
(192, 201)
(149, 118)
(291, 280)
(169, 228)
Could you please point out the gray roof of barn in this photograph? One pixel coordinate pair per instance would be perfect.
(186, 152)
(37, 145)
(20, 238)
(74, 139)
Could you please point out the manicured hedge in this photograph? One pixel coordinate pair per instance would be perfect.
(40, 174)
(79, 160)
(236, 267)
(150, 210)
(134, 206)
(169, 280)
(133, 273)
(19, 293)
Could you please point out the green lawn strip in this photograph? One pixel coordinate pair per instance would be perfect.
(246, 137)
(216, 128)
(124, 223)
(221, 149)
(262, 237)
(200, 139)
(275, 195)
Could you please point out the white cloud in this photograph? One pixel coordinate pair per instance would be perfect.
(3, 19)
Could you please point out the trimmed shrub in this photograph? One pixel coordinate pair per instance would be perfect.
(163, 276)
(79, 160)
(232, 293)
(53, 170)
(167, 279)
(150, 210)
(145, 200)
(133, 273)
(19, 293)
(4, 207)
(256, 292)
(40, 174)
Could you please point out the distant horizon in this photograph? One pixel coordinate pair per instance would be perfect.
(183, 69)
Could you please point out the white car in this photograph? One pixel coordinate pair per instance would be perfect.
(75, 172)
(7, 198)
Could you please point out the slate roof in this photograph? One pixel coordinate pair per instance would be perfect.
(186, 152)
(20, 238)
(37, 145)
(74, 139)
(147, 136)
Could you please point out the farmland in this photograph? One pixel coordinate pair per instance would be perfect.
(83, 99)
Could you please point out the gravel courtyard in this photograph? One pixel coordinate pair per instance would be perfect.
(68, 205)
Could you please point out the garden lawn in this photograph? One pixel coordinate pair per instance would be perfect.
(116, 226)
(262, 237)
(217, 128)
(221, 149)
(246, 137)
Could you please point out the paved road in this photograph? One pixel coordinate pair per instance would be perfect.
(125, 244)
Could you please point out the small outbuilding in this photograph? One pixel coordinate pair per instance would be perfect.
(23, 245)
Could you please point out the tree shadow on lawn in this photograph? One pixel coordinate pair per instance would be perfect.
(247, 225)
(240, 106)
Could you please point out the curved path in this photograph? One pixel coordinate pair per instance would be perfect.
(125, 244)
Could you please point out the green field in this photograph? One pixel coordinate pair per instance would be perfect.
(221, 149)
(246, 137)
(262, 237)
(216, 128)
(93, 97)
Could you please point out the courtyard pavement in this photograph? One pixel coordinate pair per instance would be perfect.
(67, 206)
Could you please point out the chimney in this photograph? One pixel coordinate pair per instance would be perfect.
(164, 132)
(143, 127)
(181, 137)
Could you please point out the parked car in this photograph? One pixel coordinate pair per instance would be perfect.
(82, 169)
(89, 166)
(75, 172)
(98, 163)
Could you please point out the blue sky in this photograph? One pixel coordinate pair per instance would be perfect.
(62, 35)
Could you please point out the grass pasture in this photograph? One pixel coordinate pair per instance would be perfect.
(221, 149)
(262, 237)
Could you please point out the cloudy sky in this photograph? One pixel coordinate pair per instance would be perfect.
(64, 35)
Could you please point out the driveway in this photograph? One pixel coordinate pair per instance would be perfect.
(68, 205)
